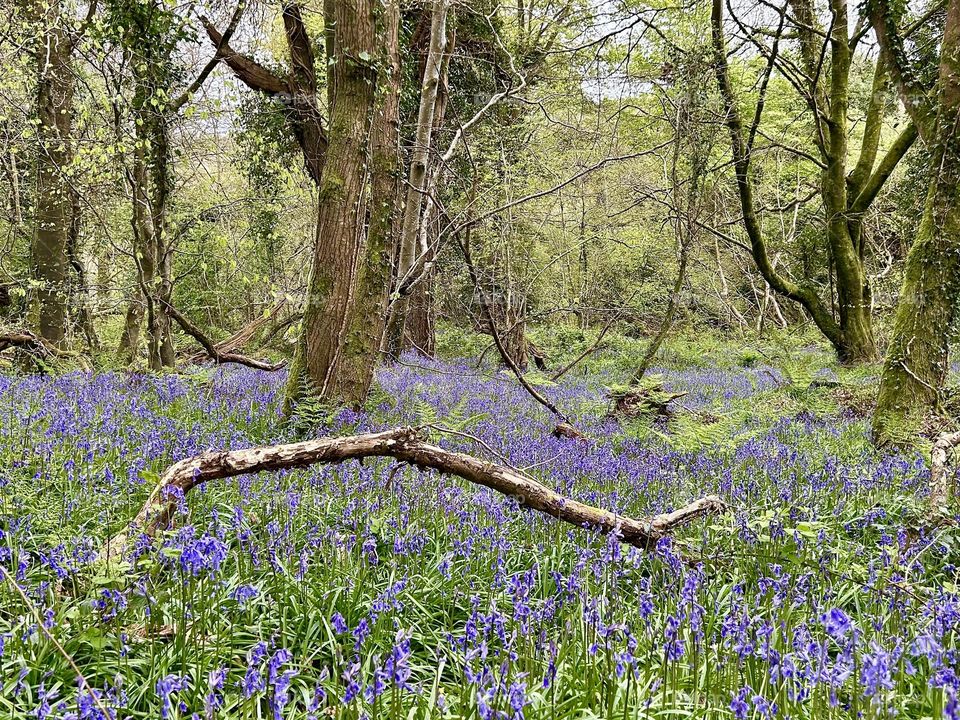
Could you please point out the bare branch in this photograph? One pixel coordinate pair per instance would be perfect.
(214, 61)
(407, 445)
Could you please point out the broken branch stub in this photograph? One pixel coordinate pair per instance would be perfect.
(407, 445)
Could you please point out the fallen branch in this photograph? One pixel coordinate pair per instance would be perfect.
(941, 479)
(241, 337)
(27, 341)
(215, 354)
(406, 445)
(39, 349)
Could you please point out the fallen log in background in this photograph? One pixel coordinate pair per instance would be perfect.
(215, 354)
(37, 347)
(407, 445)
(28, 341)
(241, 337)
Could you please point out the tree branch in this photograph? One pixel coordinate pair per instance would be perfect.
(248, 71)
(884, 170)
(302, 71)
(210, 346)
(504, 355)
(212, 62)
(406, 445)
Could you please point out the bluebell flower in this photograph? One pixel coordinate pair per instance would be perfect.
(837, 623)
(167, 686)
(738, 705)
(244, 593)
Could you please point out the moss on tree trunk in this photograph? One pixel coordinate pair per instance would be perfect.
(917, 360)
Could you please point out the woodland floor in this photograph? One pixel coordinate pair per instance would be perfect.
(352, 591)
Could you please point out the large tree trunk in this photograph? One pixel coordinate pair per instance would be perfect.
(147, 220)
(55, 88)
(420, 324)
(339, 238)
(368, 315)
(917, 360)
(857, 343)
(150, 182)
(80, 298)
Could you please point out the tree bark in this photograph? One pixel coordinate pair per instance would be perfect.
(418, 185)
(55, 89)
(339, 238)
(406, 445)
(917, 360)
(368, 314)
(941, 477)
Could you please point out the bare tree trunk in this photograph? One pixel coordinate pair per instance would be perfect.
(80, 297)
(419, 326)
(685, 240)
(509, 321)
(145, 243)
(129, 345)
(418, 185)
(692, 141)
(942, 480)
(339, 239)
(162, 181)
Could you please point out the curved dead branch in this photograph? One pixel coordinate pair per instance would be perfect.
(407, 445)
